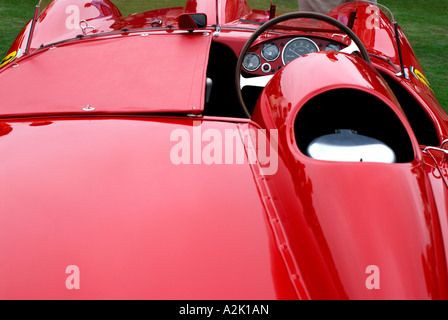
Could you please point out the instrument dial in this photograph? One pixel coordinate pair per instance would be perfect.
(251, 62)
(298, 47)
(332, 47)
(270, 51)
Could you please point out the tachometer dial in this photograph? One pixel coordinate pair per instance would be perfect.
(251, 62)
(270, 51)
(332, 47)
(298, 47)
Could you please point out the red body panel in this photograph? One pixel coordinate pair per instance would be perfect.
(90, 124)
(286, 84)
(380, 40)
(113, 219)
(352, 211)
(334, 244)
(138, 86)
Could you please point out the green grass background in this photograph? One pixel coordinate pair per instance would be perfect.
(424, 22)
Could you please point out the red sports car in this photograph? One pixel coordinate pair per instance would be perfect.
(212, 151)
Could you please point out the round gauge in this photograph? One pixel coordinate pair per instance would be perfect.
(270, 51)
(298, 47)
(332, 47)
(251, 62)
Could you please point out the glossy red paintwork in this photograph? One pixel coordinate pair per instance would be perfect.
(93, 193)
(138, 86)
(281, 100)
(98, 189)
(58, 21)
(381, 41)
(356, 242)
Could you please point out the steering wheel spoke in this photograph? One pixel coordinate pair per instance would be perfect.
(259, 81)
(351, 48)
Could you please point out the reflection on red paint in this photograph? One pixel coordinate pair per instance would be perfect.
(40, 123)
(5, 129)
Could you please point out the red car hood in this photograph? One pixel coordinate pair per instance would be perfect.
(104, 196)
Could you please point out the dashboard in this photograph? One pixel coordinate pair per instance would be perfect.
(269, 56)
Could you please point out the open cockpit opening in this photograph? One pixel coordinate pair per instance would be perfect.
(222, 100)
(351, 125)
(419, 120)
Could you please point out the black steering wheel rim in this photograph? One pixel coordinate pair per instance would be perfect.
(285, 17)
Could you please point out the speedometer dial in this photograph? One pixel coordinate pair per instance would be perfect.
(298, 47)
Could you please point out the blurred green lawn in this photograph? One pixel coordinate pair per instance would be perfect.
(424, 22)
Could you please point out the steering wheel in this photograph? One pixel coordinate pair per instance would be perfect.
(261, 81)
